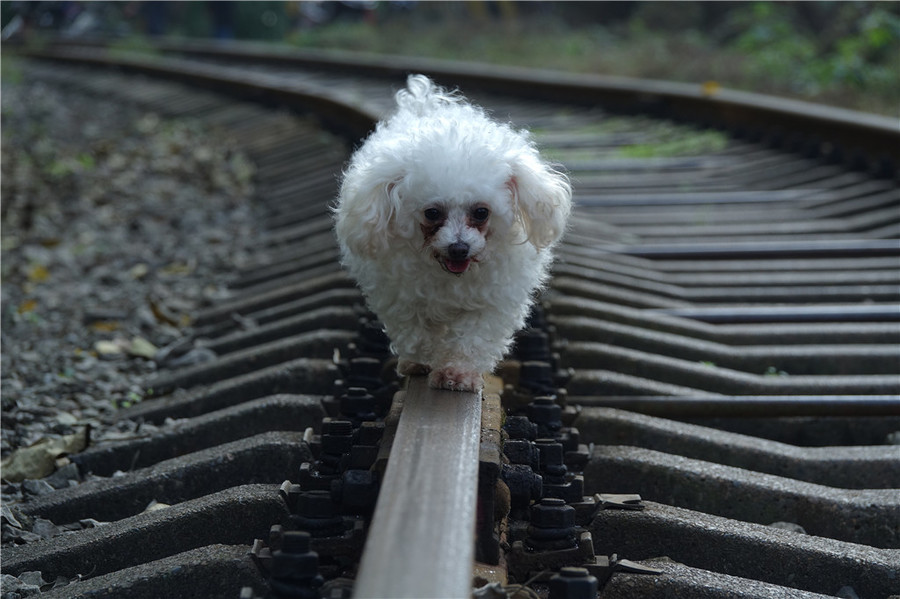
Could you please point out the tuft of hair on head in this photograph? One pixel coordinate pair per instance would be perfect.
(421, 96)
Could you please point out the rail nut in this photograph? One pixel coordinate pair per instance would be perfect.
(361, 457)
(294, 565)
(552, 513)
(577, 459)
(520, 427)
(573, 583)
(552, 459)
(532, 344)
(552, 526)
(522, 451)
(336, 441)
(572, 490)
(537, 317)
(524, 485)
(370, 433)
(372, 341)
(337, 436)
(365, 373)
(358, 404)
(547, 414)
(356, 490)
(311, 478)
(315, 504)
(536, 377)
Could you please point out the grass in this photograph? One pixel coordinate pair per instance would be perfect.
(633, 50)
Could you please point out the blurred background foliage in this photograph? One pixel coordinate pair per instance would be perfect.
(840, 53)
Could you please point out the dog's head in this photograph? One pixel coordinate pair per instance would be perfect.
(453, 186)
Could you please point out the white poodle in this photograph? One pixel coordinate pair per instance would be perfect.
(446, 219)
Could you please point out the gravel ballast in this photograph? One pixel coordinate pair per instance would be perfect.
(117, 225)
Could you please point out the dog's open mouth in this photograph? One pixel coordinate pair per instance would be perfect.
(456, 267)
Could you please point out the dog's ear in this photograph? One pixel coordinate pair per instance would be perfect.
(542, 197)
(365, 218)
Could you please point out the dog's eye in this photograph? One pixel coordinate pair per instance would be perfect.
(433, 214)
(480, 214)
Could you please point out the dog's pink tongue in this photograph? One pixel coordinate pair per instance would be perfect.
(457, 266)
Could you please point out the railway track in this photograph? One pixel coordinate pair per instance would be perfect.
(720, 338)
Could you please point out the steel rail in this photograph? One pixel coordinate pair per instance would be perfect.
(790, 314)
(744, 250)
(815, 129)
(352, 117)
(759, 406)
(422, 540)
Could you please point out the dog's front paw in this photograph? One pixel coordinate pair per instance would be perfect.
(409, 368)
(455, 379)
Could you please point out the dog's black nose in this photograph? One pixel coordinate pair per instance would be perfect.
(458, 251)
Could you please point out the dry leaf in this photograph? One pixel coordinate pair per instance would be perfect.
(142, 348)
(139, 271)
(177, 269)
(161, 314)
(38, 273)
(154, 506)
(710, 88)
(27, 306)
(39, 460)
(109, 348)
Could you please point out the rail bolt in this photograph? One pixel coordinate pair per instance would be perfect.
(315, 504)
(358, 404)
(524, 485)
(547, 414)
(521, 451)
(356, 490)
(552, 459)
(295, 569)
(537, 378)
(365, 372)
(532, 344)
(573, 583)
(537, 317)
(372, 340)
(552, 513)
(317, 515)
(552, 526)
(370, 433)
(337, 437)
(520, 427)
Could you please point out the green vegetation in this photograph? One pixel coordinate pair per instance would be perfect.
(864, 60)
(680, 141)
(840, 53)
(10, 68)
(662, 139)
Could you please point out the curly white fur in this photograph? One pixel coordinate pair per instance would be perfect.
(446, 219)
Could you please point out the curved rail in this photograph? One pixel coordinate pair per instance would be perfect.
(832, 133)
(350, 116)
